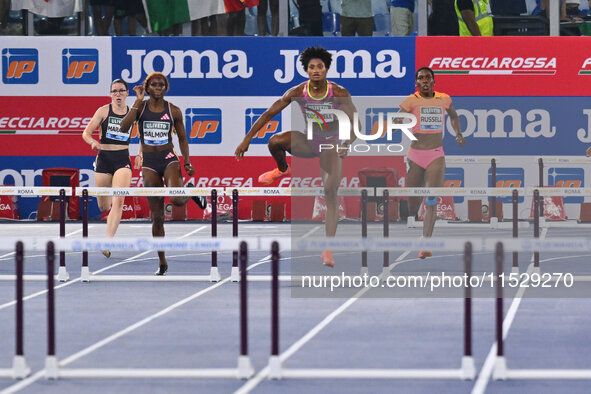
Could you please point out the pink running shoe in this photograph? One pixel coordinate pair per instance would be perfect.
(326, 258)
(271, 176)
(423, 254)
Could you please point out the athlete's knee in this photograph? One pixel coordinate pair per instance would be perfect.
(275, 142)
(104, 205)
(178, 201)
(117, 203)
(330, 193)
(158, 219)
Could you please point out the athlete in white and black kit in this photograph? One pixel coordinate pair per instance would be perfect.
(112, 165)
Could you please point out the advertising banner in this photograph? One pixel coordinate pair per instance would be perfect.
(507, 66)
(264, 66)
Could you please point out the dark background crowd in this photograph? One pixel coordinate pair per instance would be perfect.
(307, 18)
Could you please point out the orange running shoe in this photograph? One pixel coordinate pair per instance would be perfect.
(423, 254)
(327, 259)
(271, 176)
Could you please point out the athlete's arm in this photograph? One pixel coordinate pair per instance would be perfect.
(344, 98)
(467, 11)
(179, 126)
(94, 123)
(455, 123)
(135, 110)
(273, 110)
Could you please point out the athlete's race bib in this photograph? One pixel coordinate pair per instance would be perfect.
(114, 130)
(431, 118)
(313, 108)
(156, 132)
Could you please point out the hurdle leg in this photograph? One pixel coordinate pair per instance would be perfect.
(468, 368)
(214, 273)
(536, 267)
(386, 263)
(85, 272)
(51, 364)
(274, 361)
(500, 369)
(364, 269)
(235, 274)
(515, 221)
(62, 273)
(245, 369)
(20, 369)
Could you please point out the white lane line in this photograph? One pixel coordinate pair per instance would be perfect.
(70, 359)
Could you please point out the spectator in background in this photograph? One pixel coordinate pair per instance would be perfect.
(235, 18)
(310, 17)
(4, 14)
(402, 17)
(443, 20)
(207, 26)
(572, 7)
(356, 17)
(474, 18)
(134, 11)
(262, 17)
(102, 22)
(508, 7)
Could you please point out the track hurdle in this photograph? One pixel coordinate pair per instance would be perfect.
(244, 369)
(87, 276)
(467, 370)
(19, 369)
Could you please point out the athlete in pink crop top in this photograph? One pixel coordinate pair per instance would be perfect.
(426, 158)
(313, 96)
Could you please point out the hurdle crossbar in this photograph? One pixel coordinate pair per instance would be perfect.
(53, 370)
(467, 370)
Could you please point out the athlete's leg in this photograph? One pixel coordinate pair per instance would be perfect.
(152, 179)
(121, 178)
(414, 178)
(103, 180)
(331, 167)
(293, 142)
(434, 176)
(174, 178)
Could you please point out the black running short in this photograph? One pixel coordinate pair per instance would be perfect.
(109, 161)
(159, 160)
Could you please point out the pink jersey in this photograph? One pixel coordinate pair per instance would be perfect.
(430, 112)
(311, 106)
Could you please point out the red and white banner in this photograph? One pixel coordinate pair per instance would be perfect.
(507, 66)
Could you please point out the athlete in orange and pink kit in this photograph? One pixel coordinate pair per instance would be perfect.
(426, 158)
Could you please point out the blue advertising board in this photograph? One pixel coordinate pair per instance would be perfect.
(265, 66)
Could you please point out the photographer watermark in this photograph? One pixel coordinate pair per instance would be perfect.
(387, 124)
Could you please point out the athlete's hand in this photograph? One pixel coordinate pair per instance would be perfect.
(241, 150)
(189, 169)
(588, 153)
(137, 162)
(95, 145)
(343, 150)
(139, 91)
(460, 140)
